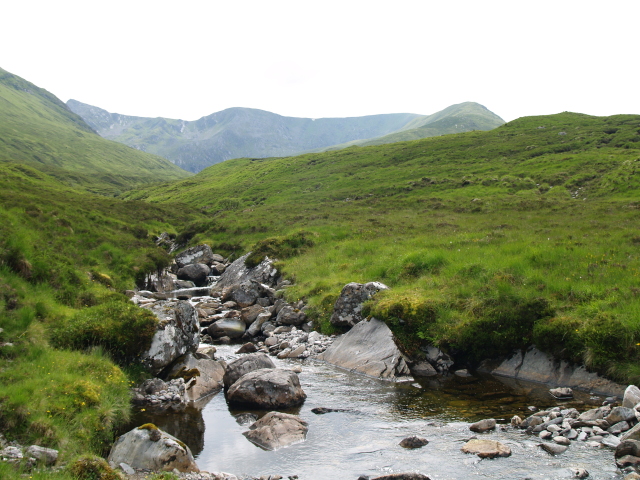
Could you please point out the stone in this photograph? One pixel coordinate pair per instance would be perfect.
(628, 447)
(244, 365)
(196, 273)
(198, 254)
(561, 393)
(631, 397)
(227, 327)
(289, 315)
(486, 448)
(249, 314)
(347, 311)
(632, 434)
(627, 461)
(531, 421)
(127, 469)
(462, 373)
(276, 430)
(579, 473)
(632, 476)
(620, 414)
(150, 448)
(238, 273)
(207, 350)
(423, 369)
(413, 442)
(560, 440)
(202, 376)
(243, 294)
(247, 348)
(218, 268)
(545, 435)
(618, 428)
(369, 348)
(611, 441)
(483, 425)
(402, 476)
(177, 333)
(553, 448)
(256, 327)
(48, 456)
(267, 388)
(296, 352)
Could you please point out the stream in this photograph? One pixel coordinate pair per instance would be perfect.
(363, 439)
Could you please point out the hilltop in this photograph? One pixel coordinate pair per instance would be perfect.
(245, 132)
(37, 129)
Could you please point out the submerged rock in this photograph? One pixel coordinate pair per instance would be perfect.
(486, 448)
(414, 442)
(276, 430)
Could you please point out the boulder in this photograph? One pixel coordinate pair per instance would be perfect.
(249, 314)
(632, 434)
(369, 348)
(48, 456)
(256, 326)
(413, 442)
(150, 448)
(561, 393)
(218, 268)
(347, 310)
(553, 448)
(197, 254)
(483, 425)
(227, 327)
(486, 448)
(267, 388)
(247, 348)
(177, 333)
(631, 396)
(243, 294)
(202, 376)
(628, 447)
(246, 364)
(238, 273)
(196, 273)
(276, 430)
(289, 315)
(620, 414)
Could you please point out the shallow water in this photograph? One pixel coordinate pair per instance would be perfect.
(364, 439)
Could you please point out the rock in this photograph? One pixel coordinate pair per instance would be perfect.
(483, 425)
(249, 314)
(531, 421)
(196, 273)
(48, 456)
(561, 393)
(243, 294)
(238, 273)
(150, 448)
(267, 388)
(227, 327)
(348, 307)
(486, 448)
(177, 333)
(323, 410)
(628, 447)
(247, 348)
(414, 442)
(632, 476)
(369, 348)
(289, 315)
(463, 373)
(628, 461)
(618, 428)
(276, 430)
(579, 473)
(218, 268)
(611, 441)
(545, 435)
(296, 352)
(631, 397)
(246, 419)
(256, 327)
(553, 448)
(633, 434)
(560, 440)
(402, 476)
(184, 284)
(423, 369)
(202, 376)
(207, 350)
(197, 254)
(620, 414)
(592, 415)
(244, 365)
(127, 469)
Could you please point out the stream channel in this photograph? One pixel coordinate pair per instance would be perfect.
(363, 439)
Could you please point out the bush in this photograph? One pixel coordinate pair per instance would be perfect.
(608, 340)
(122, 329)
(560, 336)
(92, 468)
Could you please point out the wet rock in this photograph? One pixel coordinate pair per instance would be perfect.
(247, 348)
(402, 476)
(177, 333)
(369, 348)
(198, 254)
(483, 425)
(579, 473)
(276, 430)
(267, 388)
(553, 448)
(561, 393)
(150, 448)
(256, 327)
(245, 419)
(227, 327)
(347, 310)
(196, 273)
(423, 369)
(48, 456)
(486, 448)
(531, 421)
(414, 442)
(244, 365)
(202, 376)
(323, 410)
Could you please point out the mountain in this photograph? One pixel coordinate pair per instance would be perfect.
(37, 129)
(251, 133)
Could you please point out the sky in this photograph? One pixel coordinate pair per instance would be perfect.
(345, 58)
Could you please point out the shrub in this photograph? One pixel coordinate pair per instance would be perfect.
(560, 336)
(92, 468)
(608, 340)
(120, 328)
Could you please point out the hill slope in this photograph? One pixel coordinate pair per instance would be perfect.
(38, 129)
(245, 132)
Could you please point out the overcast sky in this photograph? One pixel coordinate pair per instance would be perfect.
(328, 58)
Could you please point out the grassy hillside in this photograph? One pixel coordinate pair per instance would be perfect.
(489, 240)
(65, 258)
(39, 130)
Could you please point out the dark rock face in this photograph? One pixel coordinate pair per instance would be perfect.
(267, 388)
(244, 365)
(276, 430)
(369, 348)
(347, 310)
(196, 273)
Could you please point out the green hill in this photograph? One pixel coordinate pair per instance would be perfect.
(489, 240)
(245, 132)
(39, 130)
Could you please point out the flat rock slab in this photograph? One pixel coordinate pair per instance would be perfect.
(369, 348)
(276, 430)
(267, 388)
(486, 448)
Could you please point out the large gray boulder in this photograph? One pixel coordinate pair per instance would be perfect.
(197, 254)
(150, 448)
(238, 273)
(631, 396)
(196, 273)
(369, 348)
(276, 430)
(289, 315)
(202, 376)
(347, 310)
(177, 333)
(267, 388)
(244, 365)
(227, 327)
(243, 294)
(256, 326)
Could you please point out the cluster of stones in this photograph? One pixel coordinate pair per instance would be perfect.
(26, 458)
(289, 342)
(155, 392)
